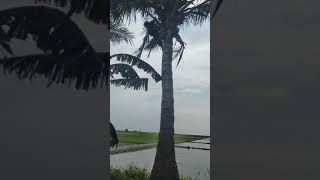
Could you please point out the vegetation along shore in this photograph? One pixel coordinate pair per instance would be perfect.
(135, 140)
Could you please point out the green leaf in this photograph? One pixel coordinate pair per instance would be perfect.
(136, 84)
(134, 61)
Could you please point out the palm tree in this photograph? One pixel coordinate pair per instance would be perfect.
(68, 57)
(163, 18)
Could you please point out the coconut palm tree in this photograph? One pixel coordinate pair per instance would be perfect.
(163, 18)
(67, 57)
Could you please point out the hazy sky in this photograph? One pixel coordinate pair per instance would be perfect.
(140, 110)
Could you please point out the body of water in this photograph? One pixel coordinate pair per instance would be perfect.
(191, 162)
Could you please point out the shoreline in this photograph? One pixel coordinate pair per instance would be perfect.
(139, 147)
(132, 148)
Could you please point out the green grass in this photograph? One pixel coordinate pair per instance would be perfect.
(134, 137)
(135, 173)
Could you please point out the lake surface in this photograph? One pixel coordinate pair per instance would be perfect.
(191, 162)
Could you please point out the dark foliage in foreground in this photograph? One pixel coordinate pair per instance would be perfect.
(67, 57)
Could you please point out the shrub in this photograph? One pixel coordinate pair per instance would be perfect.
(130, 173)
(134, 173)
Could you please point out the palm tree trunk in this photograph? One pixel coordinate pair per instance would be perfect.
(165, 166)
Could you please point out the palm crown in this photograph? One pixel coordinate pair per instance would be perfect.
(156, 15)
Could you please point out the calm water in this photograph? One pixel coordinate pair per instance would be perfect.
(194, 163)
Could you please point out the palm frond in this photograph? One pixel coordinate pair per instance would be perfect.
(51, 29)
(119, 33)
(154, 43)
(185, 4)
(125, 70)
(95, 10)
(59, 69)
(134, 61)
(68, 54)
(178, 52)
(145, 41)
(136, 84)
(129, 9)
(196, 14)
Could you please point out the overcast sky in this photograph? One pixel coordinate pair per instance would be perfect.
(140, 110)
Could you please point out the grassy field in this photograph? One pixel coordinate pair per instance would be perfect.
(134, 137)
